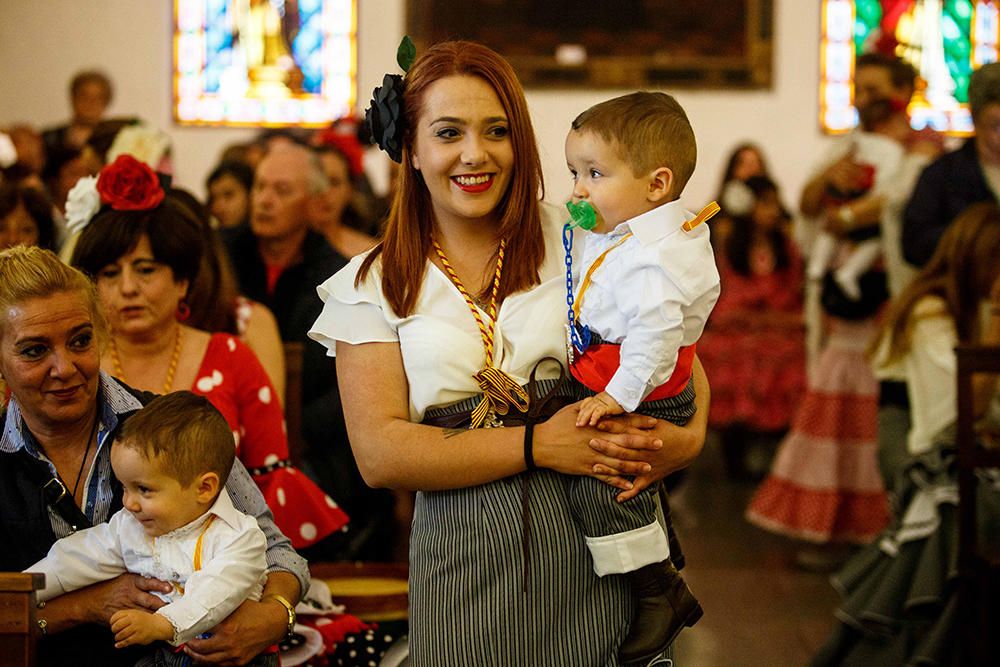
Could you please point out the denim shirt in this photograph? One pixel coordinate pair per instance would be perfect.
(113, 401)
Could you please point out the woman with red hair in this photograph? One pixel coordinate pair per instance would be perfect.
(442, 331)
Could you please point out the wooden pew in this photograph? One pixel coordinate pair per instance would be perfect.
(18, 629)
(979, 571)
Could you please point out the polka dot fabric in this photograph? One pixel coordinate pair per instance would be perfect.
(232, 378)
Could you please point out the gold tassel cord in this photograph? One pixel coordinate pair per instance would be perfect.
(500, 391)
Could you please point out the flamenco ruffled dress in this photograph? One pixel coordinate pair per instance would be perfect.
(900, 593)
(753, 348)
(825, 485)
(232, 378)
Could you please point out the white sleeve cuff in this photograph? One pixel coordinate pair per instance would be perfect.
(628, 551)
(627, 390)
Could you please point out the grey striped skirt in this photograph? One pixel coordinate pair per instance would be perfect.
(468, 603)
(467, 606)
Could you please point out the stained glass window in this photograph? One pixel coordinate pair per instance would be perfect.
(945, 40)
(264, 62)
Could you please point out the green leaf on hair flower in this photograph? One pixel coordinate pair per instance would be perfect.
(406, 53)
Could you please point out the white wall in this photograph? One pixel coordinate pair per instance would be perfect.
(43, 42)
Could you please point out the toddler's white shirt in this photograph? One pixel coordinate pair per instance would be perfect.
(653, 295)
(233, 568)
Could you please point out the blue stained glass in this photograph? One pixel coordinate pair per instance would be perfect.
(309, 6)
(308, 40)
(212, 79)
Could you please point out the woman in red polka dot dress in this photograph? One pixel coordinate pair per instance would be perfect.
(142, 261)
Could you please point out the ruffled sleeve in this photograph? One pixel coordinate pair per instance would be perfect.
(353, 314)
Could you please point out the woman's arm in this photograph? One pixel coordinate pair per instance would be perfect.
(263, 338)
(393, 452)
(682, 444)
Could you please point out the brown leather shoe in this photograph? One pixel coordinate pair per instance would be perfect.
(666, 606)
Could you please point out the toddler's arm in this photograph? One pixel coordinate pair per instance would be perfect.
(86, 557)
(135, 626)
(595, 407)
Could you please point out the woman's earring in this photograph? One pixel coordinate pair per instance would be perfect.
(183, 311)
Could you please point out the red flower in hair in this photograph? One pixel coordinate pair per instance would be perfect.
(129, 185)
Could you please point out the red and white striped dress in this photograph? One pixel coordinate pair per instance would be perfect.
(825, 484)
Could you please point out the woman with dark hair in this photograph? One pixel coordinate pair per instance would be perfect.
(900, 594)
(339, 220)
(144, 251)
(217, 306)
(754, 345)
(438, 328)
(25, 217)
(229, 187)
(745, 160)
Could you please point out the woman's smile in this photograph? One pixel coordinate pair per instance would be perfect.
(66, 394)
(473, 183)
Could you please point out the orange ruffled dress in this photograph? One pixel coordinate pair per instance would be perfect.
(232, 378)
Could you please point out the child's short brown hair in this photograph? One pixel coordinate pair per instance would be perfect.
(184, 433)
(649, 130)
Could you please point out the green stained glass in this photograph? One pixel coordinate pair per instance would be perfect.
(960, 9)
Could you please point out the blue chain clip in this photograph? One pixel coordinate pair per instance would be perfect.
(580, 340)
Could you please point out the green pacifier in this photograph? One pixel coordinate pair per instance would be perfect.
(582, 215)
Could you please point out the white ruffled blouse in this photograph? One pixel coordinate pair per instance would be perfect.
(440, 342)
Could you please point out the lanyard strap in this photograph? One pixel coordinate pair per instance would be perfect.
(704, 214)
(201, 539)
(486, 331)
(590, 273)
(500, 391)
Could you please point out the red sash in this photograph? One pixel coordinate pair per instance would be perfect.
(596, 366)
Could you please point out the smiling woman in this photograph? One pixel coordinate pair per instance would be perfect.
(55, 470)
(455, 321)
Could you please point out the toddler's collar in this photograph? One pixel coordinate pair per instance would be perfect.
(659, 223)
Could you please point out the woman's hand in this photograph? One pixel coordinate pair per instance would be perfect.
(243, 635)
(683, 443)
(683, 447)
(99, 602)
(249, 630)
(557, 446)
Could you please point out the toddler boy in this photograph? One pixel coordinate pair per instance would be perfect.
(648, 283)
(177, 525)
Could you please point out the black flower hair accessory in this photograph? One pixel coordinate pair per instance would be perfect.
(384, 118)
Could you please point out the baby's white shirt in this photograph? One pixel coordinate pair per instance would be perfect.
(233, 568)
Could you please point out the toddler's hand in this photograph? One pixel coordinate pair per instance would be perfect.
(594, 408)
(134, 626)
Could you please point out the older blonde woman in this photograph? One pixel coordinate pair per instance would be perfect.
(55, 472)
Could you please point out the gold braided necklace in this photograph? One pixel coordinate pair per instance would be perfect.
(168, 383)
(500, 391)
